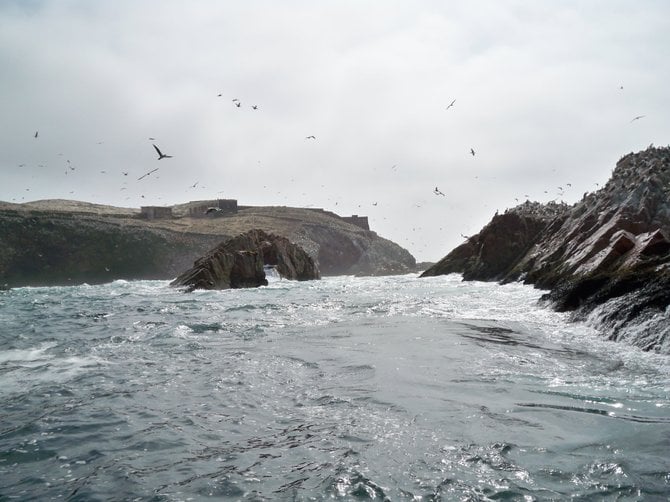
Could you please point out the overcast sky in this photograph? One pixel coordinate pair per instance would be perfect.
(544, 92)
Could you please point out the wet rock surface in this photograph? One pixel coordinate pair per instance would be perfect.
(605, 258)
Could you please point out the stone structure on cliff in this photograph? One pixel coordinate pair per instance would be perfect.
(154, 212)
(359, 221)
(239, 263)
(218, 207)
(609, 252)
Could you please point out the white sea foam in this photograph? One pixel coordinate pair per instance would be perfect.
(27, 357)
(271, 273)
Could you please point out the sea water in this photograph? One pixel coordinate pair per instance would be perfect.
(386, 388)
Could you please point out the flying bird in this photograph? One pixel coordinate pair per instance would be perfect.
(438, 192)
(472, 151)
(147, 174)
(450, 104)
(634, 119)
(161, 155)
(310, 137)
(238, 104)
(37, 133)
(254, 107)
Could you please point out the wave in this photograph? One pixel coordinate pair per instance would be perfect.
(597, 411)
(649, 331)
(27, 356)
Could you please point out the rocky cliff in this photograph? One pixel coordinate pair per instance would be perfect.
(67, 242)
(606, 258)
(239, 263)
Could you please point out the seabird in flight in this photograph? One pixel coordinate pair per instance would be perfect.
(37, 133)
(147, 174)
(438, 192)
(310, 137)
(472, 151)
(450, 104)
(634, 119)
(161, 155)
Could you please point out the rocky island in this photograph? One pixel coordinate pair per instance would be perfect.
(61, 242)
(605, 259)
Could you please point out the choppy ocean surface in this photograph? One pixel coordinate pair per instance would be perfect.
(392, 388)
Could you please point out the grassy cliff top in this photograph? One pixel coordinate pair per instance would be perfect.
(277, 219)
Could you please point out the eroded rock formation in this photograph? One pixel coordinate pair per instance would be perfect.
(239, 263)
(608, 254)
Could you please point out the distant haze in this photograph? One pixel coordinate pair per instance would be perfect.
(544, 92)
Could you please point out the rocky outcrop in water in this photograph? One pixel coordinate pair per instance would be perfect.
(239, 263)
(606, 258)
(493, 253)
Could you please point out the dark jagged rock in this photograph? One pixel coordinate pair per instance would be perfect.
(606, 258)
(493, 253)
(239, 263)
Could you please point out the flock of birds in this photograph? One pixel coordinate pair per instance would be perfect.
(238, 104)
